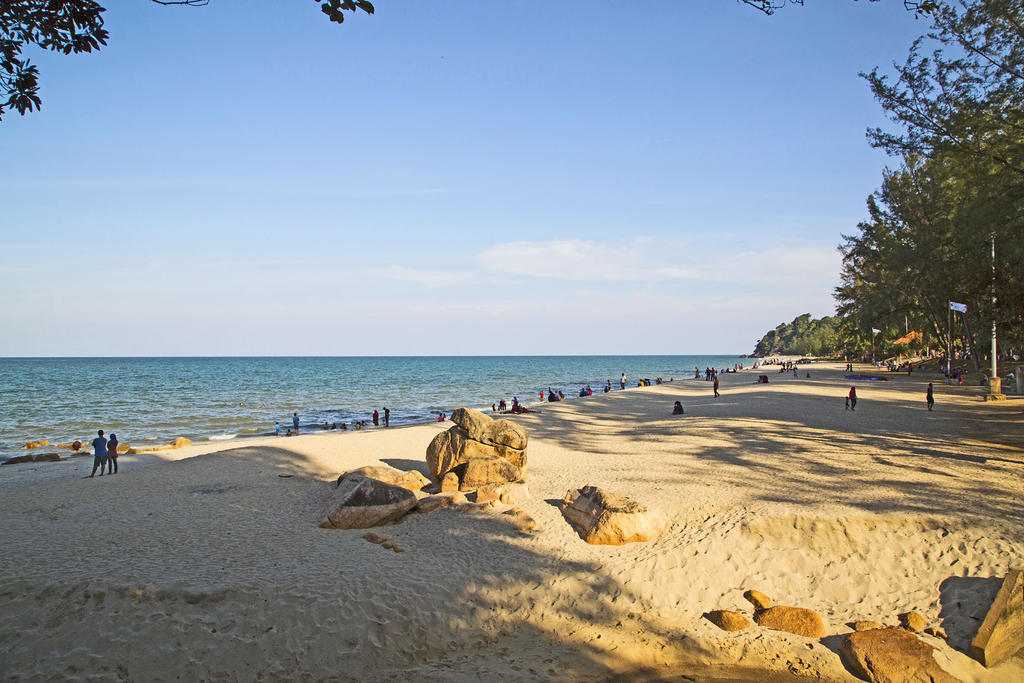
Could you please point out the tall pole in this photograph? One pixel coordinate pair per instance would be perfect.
(995, 388)
(949, 343)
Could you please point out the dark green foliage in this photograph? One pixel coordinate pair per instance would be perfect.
(960, 137)
(68, 26)
(803, 336)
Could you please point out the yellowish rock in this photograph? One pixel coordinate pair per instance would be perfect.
(912, 621)
(758, 599)
(802, 622)
(727, 620)
(866, 625)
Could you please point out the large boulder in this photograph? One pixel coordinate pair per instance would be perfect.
(802, 622)
(603, 518)
(17, 459)
(485, 470)
(47, 457)
(412, 480)
(891, 655)
(360, 503)
(512, 493)
(475, 436)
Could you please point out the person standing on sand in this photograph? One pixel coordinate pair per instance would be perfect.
(99, 453)
(930, 397)
(387, 417)
(277, 429)
(376, 418)
(622, 381)
(112, 454)
(715, 385)
(852, 398)
(295, 423)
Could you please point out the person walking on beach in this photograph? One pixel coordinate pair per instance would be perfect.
(622, 381)
(852, 398)
(930, 397)
(387, 417)
(99, 453)
(715, 385)
(295, 423)
(376, 418)
(112, 454)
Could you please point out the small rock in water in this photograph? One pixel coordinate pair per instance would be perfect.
(758, 599)
(727, 620)
(912, 621)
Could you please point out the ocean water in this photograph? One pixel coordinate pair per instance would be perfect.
(154, 400)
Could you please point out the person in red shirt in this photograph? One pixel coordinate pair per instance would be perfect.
(852, 398)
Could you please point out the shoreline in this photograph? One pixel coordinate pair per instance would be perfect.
(856, 515)
(238, 432)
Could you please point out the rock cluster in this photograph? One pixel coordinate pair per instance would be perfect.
(797, 620)
(603, 518)
(478, 450)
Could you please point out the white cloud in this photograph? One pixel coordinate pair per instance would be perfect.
(649, 261)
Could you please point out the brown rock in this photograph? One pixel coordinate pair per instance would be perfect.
(473, 507)
(17, 459)
(123, 448)
(1002, 633)
(891, 655)
(937, 632)
(412, 480)
(603, 518)
(181, 442)
(480, 427)
(802, 622)
(520, 520)
(865, 625)
(485, 470)
(912, 621)
(47, 457)
(450, 482)
(758, 599)
(727, 620)
(476, 435)
(360, 503)
(512, 493)
(374, 537)
(431, 503)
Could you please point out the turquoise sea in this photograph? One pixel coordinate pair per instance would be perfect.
(154, 400)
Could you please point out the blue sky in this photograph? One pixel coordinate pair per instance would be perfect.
(440, 178)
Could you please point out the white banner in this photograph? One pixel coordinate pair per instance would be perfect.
(875, 331)
(954, 306)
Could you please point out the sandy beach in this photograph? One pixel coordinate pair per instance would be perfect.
(206, 563)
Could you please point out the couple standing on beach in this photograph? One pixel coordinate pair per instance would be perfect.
(104, 453)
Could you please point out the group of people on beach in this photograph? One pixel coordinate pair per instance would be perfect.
(358, 424)
(104, 452)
